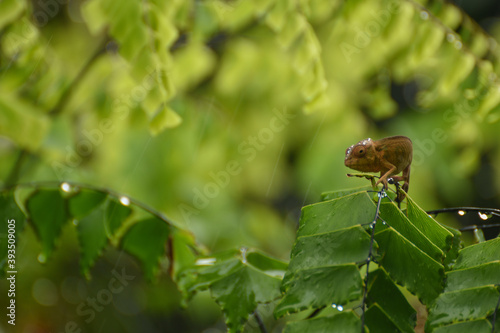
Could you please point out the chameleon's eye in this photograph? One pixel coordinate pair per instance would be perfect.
(360, 151)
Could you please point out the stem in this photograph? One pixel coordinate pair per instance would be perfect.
(492, 211)
(381, 194)
(262, 327)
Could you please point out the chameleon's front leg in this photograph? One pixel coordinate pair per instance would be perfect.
(384, 175)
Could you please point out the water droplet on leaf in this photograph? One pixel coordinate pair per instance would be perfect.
(65, 187)
(124, 201)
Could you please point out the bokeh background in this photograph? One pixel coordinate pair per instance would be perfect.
(228, 117)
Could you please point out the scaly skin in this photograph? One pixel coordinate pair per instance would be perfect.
(389, 156)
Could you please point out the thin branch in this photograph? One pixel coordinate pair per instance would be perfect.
(492, 211)
(464, 210)
(482, 226)
(381, 194)
(262, 327)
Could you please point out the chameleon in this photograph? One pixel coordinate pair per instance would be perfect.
(389, 156)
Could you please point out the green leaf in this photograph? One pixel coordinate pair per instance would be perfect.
(410, 229)
(164, 118)
(395, 309)
(92, 236)
(378, 321)
(318, 287)
(48, 212)
(476, 326)
(85, 201)
(331, 248)
(354, 209)
(146, 240)
(477, 276)
(116, 214)
(479, 254)
(462, 305)
(10, 214)
(238, 281)
(437, 234)
(342, 193)
(409, 265)
(342, 322)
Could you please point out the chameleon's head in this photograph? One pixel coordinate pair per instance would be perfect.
(361, 156)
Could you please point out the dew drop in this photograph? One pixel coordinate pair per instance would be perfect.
(75, 222)
(205, 262)
(124, 201)
(483, 216)
(424, 15)
(461, 212)
(338, 307)
(458, 45)
(384, 223)
(450, 37)
(42, 258)
(65, 187)
(243, 251)
(372, 225)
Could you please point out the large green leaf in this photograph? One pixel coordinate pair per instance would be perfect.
(238, 281)
(48, 212)
(410, 266)
(385, 313)
(318, 287)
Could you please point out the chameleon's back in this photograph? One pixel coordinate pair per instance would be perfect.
(398, 150)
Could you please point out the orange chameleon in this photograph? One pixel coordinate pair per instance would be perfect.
(389, 156)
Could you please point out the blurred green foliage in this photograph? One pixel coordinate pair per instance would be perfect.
(228, 116)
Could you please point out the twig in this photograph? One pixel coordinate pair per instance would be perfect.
(262, 327)
(463, 210)
(492, 211)
(381, 194)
